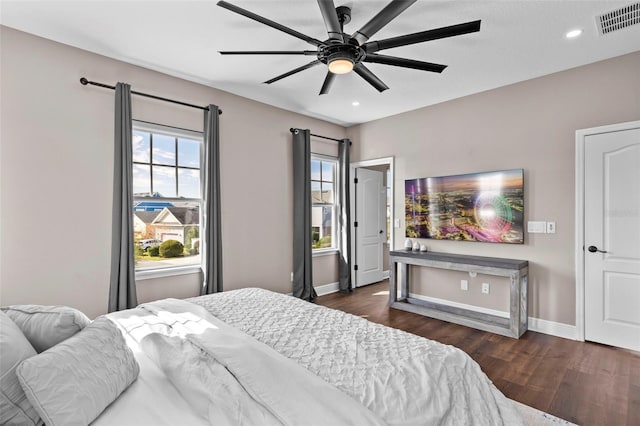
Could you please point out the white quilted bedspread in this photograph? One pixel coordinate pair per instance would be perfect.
(403, 378)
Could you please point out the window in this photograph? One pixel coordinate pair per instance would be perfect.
(323, 202)
(166, 197)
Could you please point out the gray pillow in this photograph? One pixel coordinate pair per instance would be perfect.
(46, 326)
(73, 382)
(15, 409)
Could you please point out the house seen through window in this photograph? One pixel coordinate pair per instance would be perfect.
(323, 202)
(166, 196)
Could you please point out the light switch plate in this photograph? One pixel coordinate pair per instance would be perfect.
(536, 227)
(396, 223)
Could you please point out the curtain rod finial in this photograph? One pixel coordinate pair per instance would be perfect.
(84, 81)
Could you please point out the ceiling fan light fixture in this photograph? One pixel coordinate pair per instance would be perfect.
(340, 65)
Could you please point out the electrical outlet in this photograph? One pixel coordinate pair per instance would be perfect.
(464, 285)
(551, 227)
(485, 288)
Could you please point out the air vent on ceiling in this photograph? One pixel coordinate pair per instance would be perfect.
(619, 19)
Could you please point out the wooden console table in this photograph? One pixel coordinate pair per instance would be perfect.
(516, 270)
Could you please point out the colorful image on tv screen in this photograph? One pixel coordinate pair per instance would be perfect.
(487, 207)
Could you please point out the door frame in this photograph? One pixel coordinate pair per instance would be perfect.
(352, 208)
(581, 136)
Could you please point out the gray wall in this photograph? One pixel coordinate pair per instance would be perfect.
(56, 171)
(528, 125)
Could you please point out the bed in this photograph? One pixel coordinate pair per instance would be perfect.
(255, 357)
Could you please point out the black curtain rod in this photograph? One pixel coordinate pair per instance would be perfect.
(84, 82)
(292, 130)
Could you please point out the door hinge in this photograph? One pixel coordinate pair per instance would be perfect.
(355, 180)
(355, 267)
(355, 224)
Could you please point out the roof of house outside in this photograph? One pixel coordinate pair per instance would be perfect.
(184, 215)
(147, 216)
(154, 206)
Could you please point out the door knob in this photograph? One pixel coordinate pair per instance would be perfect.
(381, 231)
(594, 249)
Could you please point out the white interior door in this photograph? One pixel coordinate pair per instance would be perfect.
(371, 219)
(612, 238)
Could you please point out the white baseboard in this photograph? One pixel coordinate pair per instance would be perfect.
(321, 290)
(553, 328)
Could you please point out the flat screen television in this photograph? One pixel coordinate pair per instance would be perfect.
(487, 207)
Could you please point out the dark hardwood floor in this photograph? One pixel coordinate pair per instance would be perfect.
(585, 383)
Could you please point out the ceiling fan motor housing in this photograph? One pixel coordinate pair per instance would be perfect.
(332, 49)
(330, 52)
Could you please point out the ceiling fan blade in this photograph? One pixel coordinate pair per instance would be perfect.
(331, 21)
(294, 71)
(268, 22)
(269, 52)
(403, 62)
(435, 34)
(328, 81)
(365, 73)
(386, 15)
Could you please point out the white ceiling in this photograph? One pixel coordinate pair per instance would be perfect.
(519, 40)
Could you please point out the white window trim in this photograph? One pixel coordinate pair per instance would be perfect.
(162, 129)
(324, 252)
(316, 252)
(148, 274)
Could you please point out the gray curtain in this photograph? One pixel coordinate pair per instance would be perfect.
(344, 221)
(302, 273)
(122, 289)
(211, 241)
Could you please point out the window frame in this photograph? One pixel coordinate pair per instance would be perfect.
(334, 206)
(175, 132)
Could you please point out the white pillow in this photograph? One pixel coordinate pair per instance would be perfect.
(15, 409)
(46, 326)
(73, 382)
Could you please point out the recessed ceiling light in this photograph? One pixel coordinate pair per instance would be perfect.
(355, 103)
(573, 33)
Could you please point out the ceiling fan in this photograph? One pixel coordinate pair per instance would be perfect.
(343, 53)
